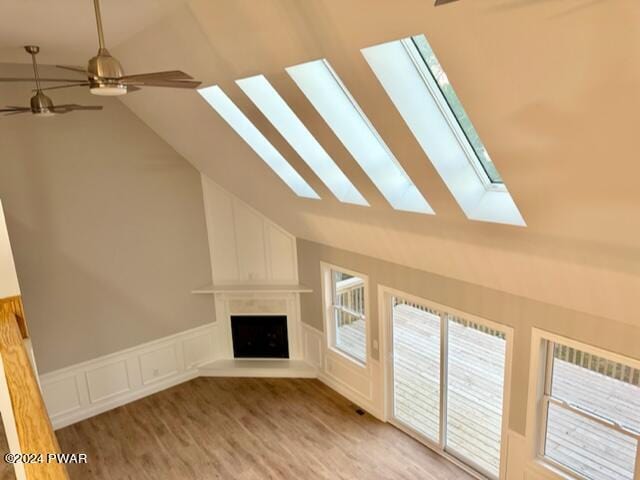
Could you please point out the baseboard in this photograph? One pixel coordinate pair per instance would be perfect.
(81, 391)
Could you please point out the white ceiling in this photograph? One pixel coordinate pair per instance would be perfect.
(66, 29)
(551, 86)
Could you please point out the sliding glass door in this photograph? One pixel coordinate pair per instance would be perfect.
(448, 382)
(416, 369)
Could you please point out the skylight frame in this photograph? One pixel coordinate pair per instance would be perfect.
(266, 98)
(255, 139)
(417, 98)
(395, 200)
(416, 49)
(424, 70)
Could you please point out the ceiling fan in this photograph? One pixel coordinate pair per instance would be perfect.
(41, 105)
(106, 77)
(443, 2)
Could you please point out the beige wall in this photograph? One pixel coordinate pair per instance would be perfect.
(518, 312)
(107, 227)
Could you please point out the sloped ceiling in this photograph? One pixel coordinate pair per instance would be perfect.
(551, 86)
(66, 30)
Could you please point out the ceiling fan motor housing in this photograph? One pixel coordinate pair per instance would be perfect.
(103, 65)
(41, 104)
(105, 73)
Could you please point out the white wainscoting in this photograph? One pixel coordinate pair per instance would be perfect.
(362, 385)
(89, 388)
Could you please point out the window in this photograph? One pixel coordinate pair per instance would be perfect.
(455, 107)
(591, 414)
(417, 85)
(347, 315)
(330, 97)
(237, 120)
(272, 106)
(448, 380)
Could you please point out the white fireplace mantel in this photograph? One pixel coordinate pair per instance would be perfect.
(257, 302)
(248, 288)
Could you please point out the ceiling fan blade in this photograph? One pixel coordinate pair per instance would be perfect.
(166, 83)
(73, 106)
(80, 84)
(15, 109)
(16, 79)
(168, 75)
(443, 2)
(8, 113)
(131, 88)
(73, 69)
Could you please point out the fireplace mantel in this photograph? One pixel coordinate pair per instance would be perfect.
(213, 289)
(249, 302)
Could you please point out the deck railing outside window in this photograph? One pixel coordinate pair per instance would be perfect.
(591, 423)
(349, 314)
(604, 366)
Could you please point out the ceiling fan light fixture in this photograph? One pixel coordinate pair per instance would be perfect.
(108, 90)
(44, 113)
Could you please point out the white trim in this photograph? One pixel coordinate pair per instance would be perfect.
(224, 310)
(417, 97)
(251, 288)
(329, 318)
(71, 393)
(259, 368)
(449, 116)
(352, 394)
(539, 378)
(385, 294)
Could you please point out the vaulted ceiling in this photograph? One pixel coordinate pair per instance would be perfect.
(551, 87)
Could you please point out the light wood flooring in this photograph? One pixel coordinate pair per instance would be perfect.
(246, 429)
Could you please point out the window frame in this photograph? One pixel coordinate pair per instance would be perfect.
(329, 308)
(244, 128)
(540, 382)
(445, 106)
(447, 112)
(410, 86)
(394, 196)
(385, 309)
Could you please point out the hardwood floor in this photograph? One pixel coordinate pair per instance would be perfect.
(246, 429)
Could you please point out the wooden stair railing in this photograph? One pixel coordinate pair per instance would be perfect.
(35, 434)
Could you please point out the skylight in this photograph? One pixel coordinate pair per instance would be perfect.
(449, 94)
(411, 85)
(250, 134)
(338, 108)
(271, 104)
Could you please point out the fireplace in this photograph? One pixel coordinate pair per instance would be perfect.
(260, 336)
